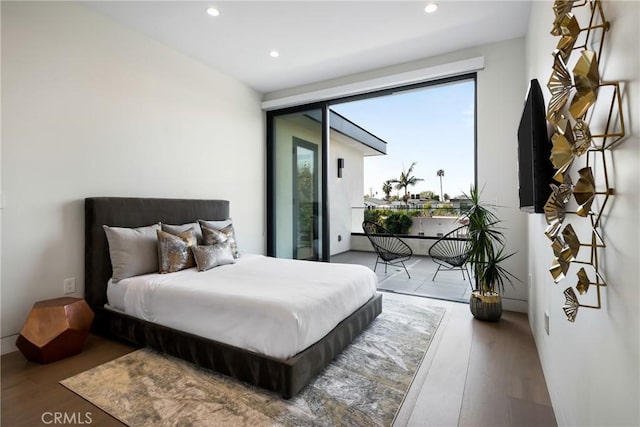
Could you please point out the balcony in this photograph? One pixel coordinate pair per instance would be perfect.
(449, 285)
(426, 225)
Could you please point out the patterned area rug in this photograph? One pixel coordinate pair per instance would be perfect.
(363, 386)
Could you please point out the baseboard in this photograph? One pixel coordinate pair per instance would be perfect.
(521, 306)
(8, 344)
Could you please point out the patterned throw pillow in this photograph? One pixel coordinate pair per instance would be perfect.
(174, 252)
(231, 238)
(211, 256)
(225, 227)
(212, 237)
(180, 228)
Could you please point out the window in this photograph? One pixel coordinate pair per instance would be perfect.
(429, 125)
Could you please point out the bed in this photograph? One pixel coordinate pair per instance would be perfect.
(285, 372)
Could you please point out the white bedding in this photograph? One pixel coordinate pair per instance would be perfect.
(272, 306)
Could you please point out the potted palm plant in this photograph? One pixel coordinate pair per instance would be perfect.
(486, 254)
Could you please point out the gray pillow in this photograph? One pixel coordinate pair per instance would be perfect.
(211, 256)
(177, 229)
(215, 225)
(133, 251)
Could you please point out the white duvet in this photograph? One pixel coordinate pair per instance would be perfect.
(272, 306)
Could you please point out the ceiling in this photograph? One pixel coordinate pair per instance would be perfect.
(317, 40)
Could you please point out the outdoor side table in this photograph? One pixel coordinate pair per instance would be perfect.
(55, 329)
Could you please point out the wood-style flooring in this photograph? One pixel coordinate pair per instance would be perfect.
(474, 374)
(478, 374)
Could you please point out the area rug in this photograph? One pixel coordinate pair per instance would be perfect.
(363, 386)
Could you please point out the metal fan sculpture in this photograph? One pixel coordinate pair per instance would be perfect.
(582, 137)
(554, 212)
(559, 269)
(559, 85)
(571, 304)
(587, 82)
(583, 281)
(569, 30)
(562, 150)
(585, 191)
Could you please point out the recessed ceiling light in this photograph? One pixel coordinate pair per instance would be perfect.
(213, 11)
(274, 54)
(431, 7)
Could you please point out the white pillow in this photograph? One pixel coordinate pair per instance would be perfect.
(133, 251)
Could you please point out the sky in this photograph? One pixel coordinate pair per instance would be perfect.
(433, 126)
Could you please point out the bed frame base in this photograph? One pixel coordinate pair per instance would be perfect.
(285, 377)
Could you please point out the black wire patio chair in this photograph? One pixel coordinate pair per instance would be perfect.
(389, 248)
(451, 251)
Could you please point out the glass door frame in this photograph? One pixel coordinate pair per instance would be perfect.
(324, 107)
(324, 167)
(299, 143)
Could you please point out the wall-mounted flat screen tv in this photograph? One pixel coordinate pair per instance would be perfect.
(535, 170)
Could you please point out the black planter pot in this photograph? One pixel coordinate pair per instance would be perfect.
(487, 307)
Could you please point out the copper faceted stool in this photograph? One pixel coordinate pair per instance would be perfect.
(55, 329)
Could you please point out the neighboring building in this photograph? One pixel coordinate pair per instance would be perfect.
(370, 202)
(460, 204)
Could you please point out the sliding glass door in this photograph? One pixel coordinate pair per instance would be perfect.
(298, 165)
(297, 208)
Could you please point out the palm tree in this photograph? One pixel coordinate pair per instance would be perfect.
(405, 180)
(440, 173)
(386, 189)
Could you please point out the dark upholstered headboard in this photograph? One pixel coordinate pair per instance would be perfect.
(132, 212)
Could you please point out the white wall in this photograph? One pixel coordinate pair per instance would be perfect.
(90, 108)
(436, 226)
(501, 94)
(501, 90)
(592, 366)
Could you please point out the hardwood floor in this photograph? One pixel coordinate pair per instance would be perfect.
(479, 374)
(474, 374)
(31, 391)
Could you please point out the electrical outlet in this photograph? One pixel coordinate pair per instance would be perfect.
(546, 322)
(69, 285)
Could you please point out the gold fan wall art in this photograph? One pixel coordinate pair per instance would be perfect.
(573, 95)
